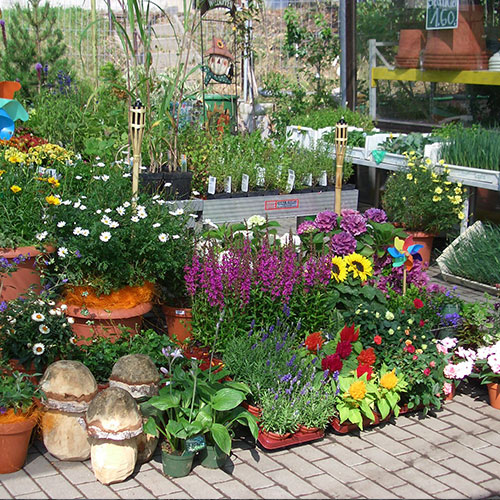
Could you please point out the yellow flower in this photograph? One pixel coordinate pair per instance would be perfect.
(389, 380)
(409, 176)
(53, 181)
(360, 266)
(424, 347)
(404, 198)
(441, 162)
(357, 390)
(15, 189)
(428, 161)
(407, 341)
(339, 269)
(436, 198)
(52, 200)
(461, 216)
(438, 190)
(457, 190)
(411, 164)
(412, 153)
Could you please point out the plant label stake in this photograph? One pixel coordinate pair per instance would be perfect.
(340, 147)
(405, 252)
(136, 123)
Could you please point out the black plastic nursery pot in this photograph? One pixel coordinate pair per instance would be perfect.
(175, 184)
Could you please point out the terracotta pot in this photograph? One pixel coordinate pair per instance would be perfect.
(307, 430)
(494, 394)
(461, 48)
(26, 275)
(449, 397)
(275, 436)
(178, 323)
(106, 323)
(411, 42)
(14, 441)
(425, 239)
(254, 410)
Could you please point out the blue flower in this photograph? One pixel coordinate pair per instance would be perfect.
(253, 347)
(3, 306)
(292, 360)
(286, 378)
(271, 329)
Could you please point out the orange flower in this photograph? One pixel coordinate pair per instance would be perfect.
(367, 357)
(389, 380)
(357, 390)
(314, 341)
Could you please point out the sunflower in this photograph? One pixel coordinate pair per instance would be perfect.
(360, 266)
(339, 269)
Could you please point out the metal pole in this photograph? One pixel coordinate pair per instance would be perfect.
(372, 62)
(93, 18)
(350, 34)
(343, 53)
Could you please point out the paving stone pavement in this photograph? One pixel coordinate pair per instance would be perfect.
(452, 453)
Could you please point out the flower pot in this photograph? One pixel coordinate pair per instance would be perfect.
(307, 430)
(14, 441)
(425, 239)
(178, 321)
(494, 394)
(254, 410)
(411, 42)
(212, 457)
(105, 323)
(26, 275)
(347, 426)
(274, 436)
(177, 465)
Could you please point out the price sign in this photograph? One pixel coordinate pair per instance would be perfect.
(441, 14)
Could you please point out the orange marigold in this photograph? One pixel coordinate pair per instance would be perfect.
(358, 390)
(389, 380)
(314, 341)
(367, 356)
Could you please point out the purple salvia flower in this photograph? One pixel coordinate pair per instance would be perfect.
(4, 33)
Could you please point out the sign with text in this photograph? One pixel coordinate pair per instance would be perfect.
(281, 204)
(441, 14)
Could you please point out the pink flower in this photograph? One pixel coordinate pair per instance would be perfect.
(447, 388)
(432, 364)
(468, 354)
(441, 348)
(415, 357)
(427, 372)
(450, 371)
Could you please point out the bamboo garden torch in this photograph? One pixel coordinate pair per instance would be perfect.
(340, 147)
(136, 124)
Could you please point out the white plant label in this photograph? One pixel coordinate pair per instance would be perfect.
(244, 183)
(261, 176)
(290, 181)
(212, 181)
(323, 179)
(227, 184)
(308, 180)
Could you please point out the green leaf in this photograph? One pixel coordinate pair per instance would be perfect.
(166, 401)
(227, 399)
(383, 408)
(150, 427)
(221, 437)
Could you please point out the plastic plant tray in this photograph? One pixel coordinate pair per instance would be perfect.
(298, 438)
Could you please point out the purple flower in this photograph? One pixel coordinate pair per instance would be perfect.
(307, 226)
(342, 244)
(292, 360)
(77, 254)
(39, 67)
(4, 34)
(376, 215)
(3, 306)
(286, 378)
(353, 222)
(3, 410)
(326, 221)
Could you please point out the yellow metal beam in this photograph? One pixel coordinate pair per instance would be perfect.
(484, 77)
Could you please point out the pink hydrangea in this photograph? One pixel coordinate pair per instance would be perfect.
(444, 345)
(458, 371)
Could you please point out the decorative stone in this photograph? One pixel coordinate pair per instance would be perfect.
(68, 386)
(113, 421)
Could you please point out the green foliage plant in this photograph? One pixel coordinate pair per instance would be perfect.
(16, 392)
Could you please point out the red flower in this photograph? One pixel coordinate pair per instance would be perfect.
(410, 348)
(364, 369)
(348, 334)
(314, 341)
(377, 339)
(367, 357)
(415, 357)
(432, 364)
(422, 322)
(344, 348)
(333, 363)
(427, 372)
(418, 304)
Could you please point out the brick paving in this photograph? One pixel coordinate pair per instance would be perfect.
(452, 453)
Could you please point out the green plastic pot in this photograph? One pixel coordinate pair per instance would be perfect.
(177, 465)
(212, 457)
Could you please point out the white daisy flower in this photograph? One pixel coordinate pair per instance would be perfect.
(71, 320)
(96, 177)
(51, 303)
(142, 214)
(63, 307)
(62, 252)
(38, 349)
(179, 211)
(97, 158)
(100, 164)
(156, 224)
(44, 329)
(61, 223)
(126, 175)
(126, 204)
(52, 312)
(98, 212)
(83, 207)
(105, 178)
(38, 317)
(156, 197)
(77, 204)
(194, 216)
(41, 236)
(108, 210)
(73, 340)
(105, 236)
(163, 237)
(121, 210)
(175, 236)
(85, 232)
(113, 224)
(66, 202)
(77, 231)
(78, 177)
(105, 220)
(134, 218)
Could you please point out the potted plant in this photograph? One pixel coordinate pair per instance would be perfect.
(279, 418)
(34, 331)
(423, 201)
(390, 387)
(18, 416)
(487, 369)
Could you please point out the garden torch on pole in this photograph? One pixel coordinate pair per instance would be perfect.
(340, 147)
(136, 124)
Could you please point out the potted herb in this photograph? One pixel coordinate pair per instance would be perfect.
(18, 416)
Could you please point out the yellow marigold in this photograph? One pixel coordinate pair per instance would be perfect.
(15, 188)
(52, 200)
(358, 390)
(389, 380)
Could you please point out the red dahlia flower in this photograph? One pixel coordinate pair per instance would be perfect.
(344, 348)
(418, 304)
(377, 339)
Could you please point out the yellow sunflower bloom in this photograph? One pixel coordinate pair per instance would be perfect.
(357, 390)
(389, 380)
(15, 188)
(339, 269)
(360, 266)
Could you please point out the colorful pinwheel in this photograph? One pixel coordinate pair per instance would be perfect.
(404, 252)
(10, 109)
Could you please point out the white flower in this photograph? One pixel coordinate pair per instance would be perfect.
(175, 236)
(61, 223)
(98, 212)
(83, 197)
(389, 316)
(85, 232)
(83, 207)
(105, 178)
(58, 312)
(12, 320)
(41, 236)
(196, 193)
(63, 307)
(126, 204)
(121, 210)
(52, 312)
(168, 184)
(208, 222)
(255, 220)
(156, 197)
(105, 236)
(72, 340)
(113, 224)
(77, 231)
(78, 177)
(44, 329)
(101, 164)
(126, 175)
(156, 224)
(285, 239)
(163, 237)
(134, 218)
(66, 202)
(179, 211)
(38, 317)
(38, 349)
(105, 220)
(62, 252)
(97, 158)
(142, 214)
(194, 216)
(107, 210)
(161, 202)
(97, 177)
(77, 204)
(71, 320)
